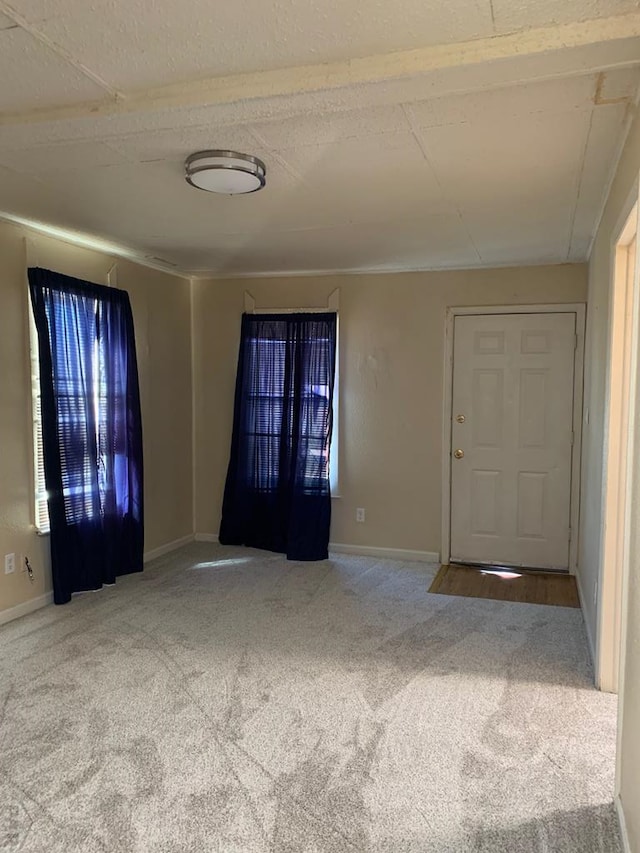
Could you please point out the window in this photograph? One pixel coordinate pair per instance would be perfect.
(74, 406)
(334, 448)
(266, 404)
(265, 408)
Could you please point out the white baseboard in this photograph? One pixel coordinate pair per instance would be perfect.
(206, 537)
(25, 608)
(587, 627)
(386, 553)
(624, 835)
(362, 550)
(165, 549)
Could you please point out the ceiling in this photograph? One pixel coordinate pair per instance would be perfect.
(397, 135)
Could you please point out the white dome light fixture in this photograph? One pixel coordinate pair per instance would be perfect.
(227, 172)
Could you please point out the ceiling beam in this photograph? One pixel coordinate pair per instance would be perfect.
(526, 56)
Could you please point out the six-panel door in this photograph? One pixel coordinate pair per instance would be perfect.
(512, 428)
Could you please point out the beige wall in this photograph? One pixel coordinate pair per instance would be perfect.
(391, 379)
(600, 267)
(161, 308)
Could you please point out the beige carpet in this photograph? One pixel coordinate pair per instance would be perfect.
(228, 701)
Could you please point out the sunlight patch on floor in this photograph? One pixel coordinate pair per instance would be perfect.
(214, 564)
(501, 573)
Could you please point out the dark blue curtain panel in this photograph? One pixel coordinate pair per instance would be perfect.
(277, 494)
(92, 430)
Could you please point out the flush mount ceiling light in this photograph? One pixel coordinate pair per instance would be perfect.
(227, 172)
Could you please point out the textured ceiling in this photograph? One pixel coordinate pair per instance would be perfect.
(488, 138)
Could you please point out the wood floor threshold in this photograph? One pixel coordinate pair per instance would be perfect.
(527, 587)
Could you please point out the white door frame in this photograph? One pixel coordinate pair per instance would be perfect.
(577, 308)
(618, 450)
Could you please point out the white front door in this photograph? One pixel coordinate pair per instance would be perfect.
(512, 437)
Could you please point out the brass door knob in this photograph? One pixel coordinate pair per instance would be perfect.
(460, 418)
(458, 453)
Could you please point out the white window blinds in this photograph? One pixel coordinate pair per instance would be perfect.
(41, 519)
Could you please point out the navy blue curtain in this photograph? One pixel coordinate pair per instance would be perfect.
(91, 430)
(277, 493)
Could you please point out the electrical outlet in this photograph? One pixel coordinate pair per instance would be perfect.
(360, 514)
(9, 564)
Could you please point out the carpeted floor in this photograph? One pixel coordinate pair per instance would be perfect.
(227, 701)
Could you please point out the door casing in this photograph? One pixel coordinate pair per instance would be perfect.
(579, 309)
(618, 452)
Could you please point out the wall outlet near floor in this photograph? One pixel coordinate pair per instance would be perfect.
(360, 514)
(9, 564)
